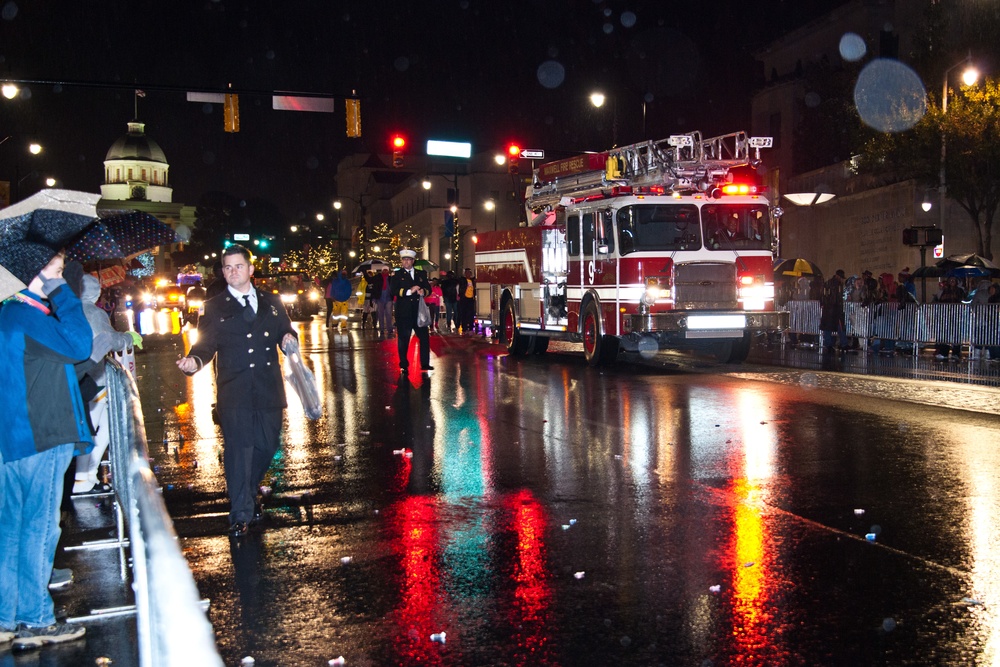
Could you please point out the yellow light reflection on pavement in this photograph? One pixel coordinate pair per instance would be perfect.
(750, 559)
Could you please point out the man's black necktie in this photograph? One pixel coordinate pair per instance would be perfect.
(248, 313)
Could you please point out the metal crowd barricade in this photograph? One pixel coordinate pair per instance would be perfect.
(857, 321)
(976, 326)
(945, 323)
(803, 317)
(167, 606)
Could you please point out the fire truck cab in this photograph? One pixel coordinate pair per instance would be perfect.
(642, 248)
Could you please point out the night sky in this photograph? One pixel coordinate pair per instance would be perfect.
(485, 71)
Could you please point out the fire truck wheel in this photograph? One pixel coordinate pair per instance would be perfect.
(512, 339)
(538, 344)
(741, 348)
(598, 349)
(733, 351)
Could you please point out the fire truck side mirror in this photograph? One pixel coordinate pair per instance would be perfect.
(602, 249)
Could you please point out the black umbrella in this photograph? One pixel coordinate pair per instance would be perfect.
(371, 264)
(969, 259)
(34, 229)
(50, 217)
(929, 272)
(119, 235)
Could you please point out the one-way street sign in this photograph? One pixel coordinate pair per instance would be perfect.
(532, 154)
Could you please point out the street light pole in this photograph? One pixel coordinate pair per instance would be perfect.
(491, 205)
(969, 77)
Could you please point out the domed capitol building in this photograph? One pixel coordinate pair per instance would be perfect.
(136, 176)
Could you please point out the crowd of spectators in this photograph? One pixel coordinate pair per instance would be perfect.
(883, 292)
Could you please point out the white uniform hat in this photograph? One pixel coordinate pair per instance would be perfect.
(405, 252)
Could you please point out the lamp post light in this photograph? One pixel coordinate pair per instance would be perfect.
(491, 205)
(969, 77)
(344, 238)
(598, 99)
(34, 148)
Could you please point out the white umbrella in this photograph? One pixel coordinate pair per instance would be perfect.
(9, 284)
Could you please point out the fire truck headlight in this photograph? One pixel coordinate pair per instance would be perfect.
(289, 298)
(650, 296)
(756, 296)
(314, 296)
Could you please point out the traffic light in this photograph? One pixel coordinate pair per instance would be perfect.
(231, 113)
(398, 144)
(513, 154)
(353, 108)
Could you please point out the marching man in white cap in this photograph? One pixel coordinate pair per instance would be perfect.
(407, 286)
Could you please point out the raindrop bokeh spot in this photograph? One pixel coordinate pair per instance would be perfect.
(889, 96)
(551, 74)
(852, 47)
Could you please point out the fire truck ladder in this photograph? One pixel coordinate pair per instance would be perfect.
(680, 163)
(683, 162)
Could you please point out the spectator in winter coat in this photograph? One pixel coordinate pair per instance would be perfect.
(384, 305)
(106, 340)
(43, 333)
(433, 301)
(467, 303)
(339, 291)
(832, 312)
(449, 295)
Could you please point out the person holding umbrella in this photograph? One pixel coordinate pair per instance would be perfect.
(43, 332)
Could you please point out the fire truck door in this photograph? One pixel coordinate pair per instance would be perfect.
(598, 242)
(577, 265)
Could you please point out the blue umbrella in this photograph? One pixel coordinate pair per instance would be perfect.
(971, 272)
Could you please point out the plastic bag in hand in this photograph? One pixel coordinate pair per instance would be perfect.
(302, 381)
(423, 314)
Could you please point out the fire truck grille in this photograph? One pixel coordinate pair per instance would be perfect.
(705, 286)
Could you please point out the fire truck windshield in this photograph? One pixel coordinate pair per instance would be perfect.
(736, 227)
(658, 227)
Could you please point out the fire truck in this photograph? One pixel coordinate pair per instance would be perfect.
(642, 248)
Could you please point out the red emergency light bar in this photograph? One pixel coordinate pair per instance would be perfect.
(742, 189)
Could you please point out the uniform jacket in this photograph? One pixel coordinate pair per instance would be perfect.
(247, 370)
(406, 304)
(40, 405)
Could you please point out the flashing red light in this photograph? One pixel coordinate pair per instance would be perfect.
(513, 150)
(398, 142)
(739, 189)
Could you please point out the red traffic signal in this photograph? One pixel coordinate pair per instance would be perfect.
(398, 143)
(513, 154)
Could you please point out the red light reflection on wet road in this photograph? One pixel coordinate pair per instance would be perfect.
(532, 594)
(418, 615)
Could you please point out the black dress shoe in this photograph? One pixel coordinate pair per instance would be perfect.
(239, 529)
(258, 513)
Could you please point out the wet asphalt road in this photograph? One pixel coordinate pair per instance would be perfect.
(547, 513)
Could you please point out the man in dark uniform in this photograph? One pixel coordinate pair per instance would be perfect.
(243, 328)
(407, 286)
